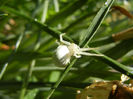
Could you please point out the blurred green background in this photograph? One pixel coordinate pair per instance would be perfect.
(27, 48)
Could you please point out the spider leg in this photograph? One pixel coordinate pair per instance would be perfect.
(90, 54)
(63, 41)
(87, 49)
(77, 56)
(57, 42)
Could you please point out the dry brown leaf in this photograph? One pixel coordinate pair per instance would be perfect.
(106, 90)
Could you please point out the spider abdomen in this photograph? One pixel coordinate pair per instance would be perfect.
(62, 55)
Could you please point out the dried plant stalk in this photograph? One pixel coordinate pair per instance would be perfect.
(128, 33)
(123, 11)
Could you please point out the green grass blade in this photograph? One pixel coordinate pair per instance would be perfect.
(45, 7)
(94, 26)
(120, 49)
(80, 19)
(48, 68)
(102, 41)
(51, 31)
(56, 5)
(29, 71)
(67, 69)
(11, 56)
(116, 65)
(36, 47)
(68, 10)
(4, 85)
(3, 14)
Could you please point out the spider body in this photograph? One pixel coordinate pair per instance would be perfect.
(66, 50)
(63, 55)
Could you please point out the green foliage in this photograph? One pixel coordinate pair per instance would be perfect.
(28, 43)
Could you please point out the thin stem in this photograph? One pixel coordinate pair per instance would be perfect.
(78, 21)
(47, 68)
(10, 85)
(26, 81)
(29, 71)
(45, 9)
(11, 56)
(66, 11)
(114, 64)
(94, 26)
(4, 14)
(56, 5)
(51, 31)
(67, 69)
(33, 62)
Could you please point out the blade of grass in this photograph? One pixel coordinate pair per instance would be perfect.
(102, 41)
(93, 27)
(51, 31)
(56, 5)
(36, 47)
(65, 12)
(22, 57)
(45, 9)
(42, 85)
(47, 45)
(116, 52)
(3, 14)
(29, 71)
(11, 56)
(116, 65)
(122, 35)
(80, 19)
(47, 68)
(51, 41)
(67, 69)
(96, 22)
(120, 49)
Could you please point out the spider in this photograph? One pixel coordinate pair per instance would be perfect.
(66, 50)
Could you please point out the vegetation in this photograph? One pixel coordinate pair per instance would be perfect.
(29, 31)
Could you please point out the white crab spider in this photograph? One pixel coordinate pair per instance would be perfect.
(66, 50)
